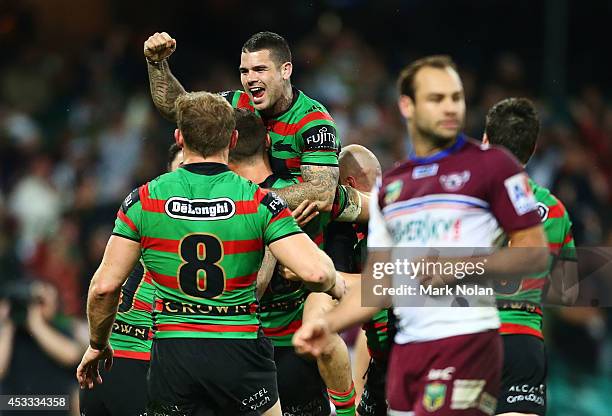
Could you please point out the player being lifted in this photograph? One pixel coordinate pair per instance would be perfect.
(483, 193)
(201, 231)
(513, 123)
(125, 388)
(282, 306)
(304, 145)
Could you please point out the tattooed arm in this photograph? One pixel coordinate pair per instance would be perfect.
(319, 186)
(165, 88)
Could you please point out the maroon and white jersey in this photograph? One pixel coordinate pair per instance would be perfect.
(468, 195)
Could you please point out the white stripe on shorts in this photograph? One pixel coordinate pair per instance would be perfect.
(399, 413)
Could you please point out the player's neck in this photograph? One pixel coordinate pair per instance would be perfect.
(425, 146)
(255, 170)
(192, 157)
(282, 104)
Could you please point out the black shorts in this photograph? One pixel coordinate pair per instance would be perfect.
(373, 401)
(302, 391)
(225, 377)
(523, 387)
(122, 393)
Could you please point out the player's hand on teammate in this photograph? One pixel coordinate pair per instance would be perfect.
(159, 46)
(313, 337)
(88, 373)
(305, 212)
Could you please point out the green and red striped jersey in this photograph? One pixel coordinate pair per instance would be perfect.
(304, 134)
(520, 301)
(202, 231)
(132, 330)
(282, 304)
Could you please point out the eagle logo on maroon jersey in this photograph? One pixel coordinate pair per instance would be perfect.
(454, 181)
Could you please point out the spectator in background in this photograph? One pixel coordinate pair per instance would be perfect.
(38, 349)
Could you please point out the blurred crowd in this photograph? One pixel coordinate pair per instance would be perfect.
(78, 132)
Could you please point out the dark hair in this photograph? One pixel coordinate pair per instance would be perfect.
(251, 135)
(173, 150)
(514, 124)
(276, 44)
(405, 81)
(206, 121)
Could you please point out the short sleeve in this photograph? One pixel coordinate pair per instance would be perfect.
(509, 194)
(278, 222)
(129, 217)
(319, 141)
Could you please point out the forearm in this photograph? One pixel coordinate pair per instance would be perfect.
(349, 311)
(319, 186)
(102, 307)
(296, 194)
(512, 263)
(357, 207)
(328, 278)
(60, 348)
(165, 88)
(264, 275)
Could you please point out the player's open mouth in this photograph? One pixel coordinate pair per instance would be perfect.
(257, 92)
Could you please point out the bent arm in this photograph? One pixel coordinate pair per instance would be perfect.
(527, 254)
(165, 88)
(319, 186)
(60, 348)
(304, 258)
(119, 259)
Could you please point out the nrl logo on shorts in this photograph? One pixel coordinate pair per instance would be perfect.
(200, 209)
(455, 181)
(393, 191)
(434, 396)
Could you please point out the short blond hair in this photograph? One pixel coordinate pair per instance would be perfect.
(206, 121)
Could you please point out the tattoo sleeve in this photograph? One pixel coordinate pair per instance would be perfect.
(319, 186)
(165, 88)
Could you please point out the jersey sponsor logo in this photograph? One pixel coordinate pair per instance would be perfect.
(134, 331)
(200, 209)
(427, 229)
(434, 396)
(225, 94)
(393, 191)
(130, 200)
(520, 193)
(441, 374)
(256, 400)
(320, 138)
(274, 203)
(425, 171)
(455, 181)
(543, 211)
(169, 307)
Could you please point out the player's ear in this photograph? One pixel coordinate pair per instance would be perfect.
(406, 106)
(268, 141)
(233, 139)
(485, 139)
(286, 70)
(350, 181)
(178, 138)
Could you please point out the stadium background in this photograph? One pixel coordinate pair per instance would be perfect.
(78, 130)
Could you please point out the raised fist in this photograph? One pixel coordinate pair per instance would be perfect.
(159, 46)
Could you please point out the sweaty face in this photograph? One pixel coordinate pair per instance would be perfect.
(439, 104)
(261, 78)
